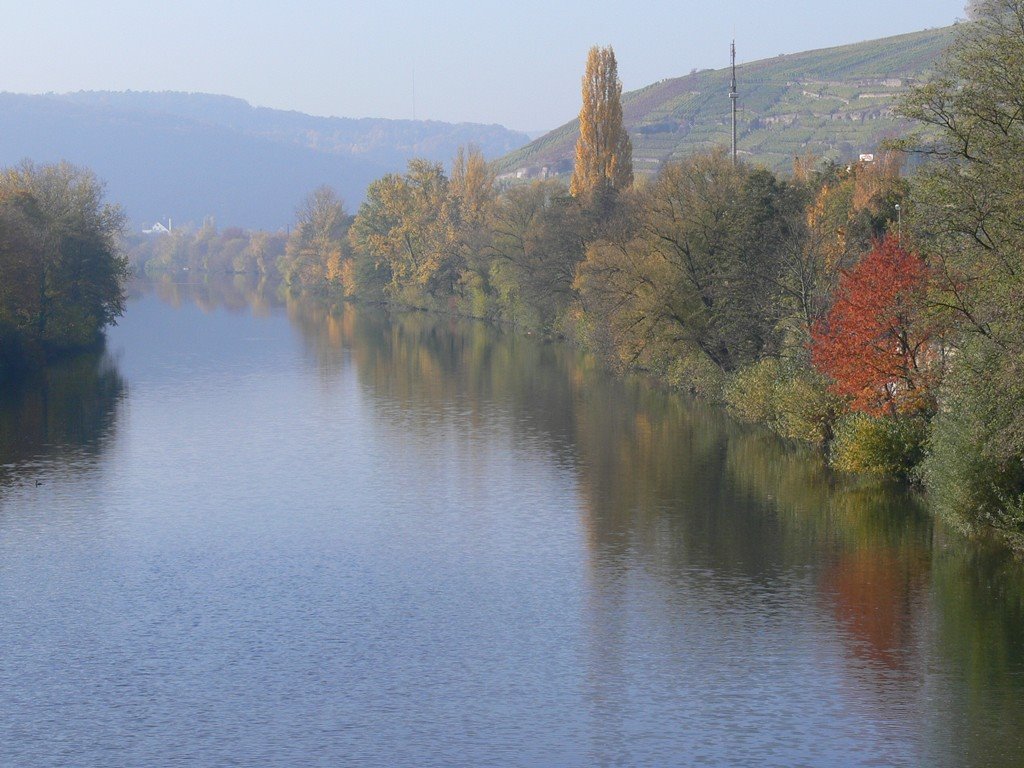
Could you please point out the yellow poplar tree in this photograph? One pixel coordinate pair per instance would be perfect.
(604, 153)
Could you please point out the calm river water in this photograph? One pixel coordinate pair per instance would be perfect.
(266, 532)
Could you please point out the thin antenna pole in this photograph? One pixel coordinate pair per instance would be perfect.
(733, 96)
(414, 91)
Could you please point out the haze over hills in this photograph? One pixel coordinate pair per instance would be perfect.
(834, 103)
(188, 156)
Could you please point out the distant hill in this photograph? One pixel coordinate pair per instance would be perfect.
(188, 156)
(834, 102)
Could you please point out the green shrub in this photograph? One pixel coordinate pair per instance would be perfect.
(974, 470)
(807, 410)
(752, 392)
(474, 298)
(697, 374)
(886, 446)
(793, 401)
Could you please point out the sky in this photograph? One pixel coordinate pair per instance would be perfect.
(516, 62)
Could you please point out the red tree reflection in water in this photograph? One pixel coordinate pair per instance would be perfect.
(873, 595)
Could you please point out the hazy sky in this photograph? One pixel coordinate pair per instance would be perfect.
(516, 62)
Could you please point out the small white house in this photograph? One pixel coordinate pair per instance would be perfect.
(158, 229)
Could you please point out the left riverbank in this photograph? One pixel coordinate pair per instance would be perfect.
(62, 272)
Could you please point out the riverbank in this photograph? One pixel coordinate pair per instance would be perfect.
(791, 402)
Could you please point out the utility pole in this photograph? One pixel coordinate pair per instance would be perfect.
(733, 96)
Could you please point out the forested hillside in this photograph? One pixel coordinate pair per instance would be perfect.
(191, 156)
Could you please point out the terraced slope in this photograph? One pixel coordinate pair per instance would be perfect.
(834, 103)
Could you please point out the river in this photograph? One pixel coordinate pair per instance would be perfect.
(271, 530)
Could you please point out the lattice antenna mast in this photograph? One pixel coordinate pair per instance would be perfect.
(733, 96)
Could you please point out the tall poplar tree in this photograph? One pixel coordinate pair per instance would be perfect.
(604, 153)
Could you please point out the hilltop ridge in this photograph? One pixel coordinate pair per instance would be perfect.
(188, 156)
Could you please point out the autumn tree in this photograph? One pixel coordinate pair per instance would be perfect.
(844, 210)
(604, 153)
(472, 184)
(691, 266)
(317, 247)
(538, 241)
(472, 191)
(406, 233)
(62, 265)
(263, 251)
(877, 344)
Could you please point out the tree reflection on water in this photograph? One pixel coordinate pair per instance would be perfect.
(69, 407)
(675, 487)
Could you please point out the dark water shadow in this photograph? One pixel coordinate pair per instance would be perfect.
(67, 407)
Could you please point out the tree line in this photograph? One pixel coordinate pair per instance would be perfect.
(311, 253)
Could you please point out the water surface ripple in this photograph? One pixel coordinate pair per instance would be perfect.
(275, 531)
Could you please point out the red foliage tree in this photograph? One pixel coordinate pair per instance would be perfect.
(876, 342)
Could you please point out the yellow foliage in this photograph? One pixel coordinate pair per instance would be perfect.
(334, 265)
(803, 167)
(872, 181)
(827, 222)
(348, 277)
(472, 183)
(604, 153)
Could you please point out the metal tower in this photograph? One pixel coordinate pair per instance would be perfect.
(733, 96)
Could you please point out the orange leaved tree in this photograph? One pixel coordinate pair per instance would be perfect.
(876, 343)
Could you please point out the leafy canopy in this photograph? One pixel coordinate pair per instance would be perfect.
(875, 343)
